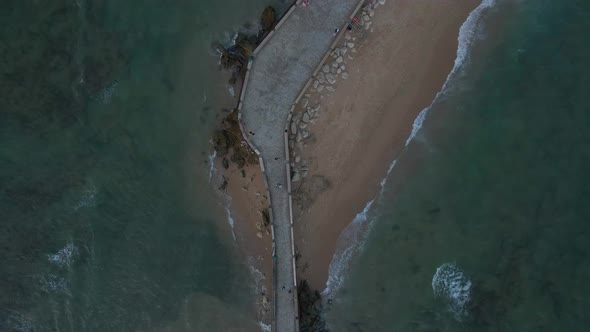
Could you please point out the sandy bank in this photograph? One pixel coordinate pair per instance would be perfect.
(394, 70)
(248, 203)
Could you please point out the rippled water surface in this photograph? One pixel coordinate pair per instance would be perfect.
(483, 222)
(108, 222)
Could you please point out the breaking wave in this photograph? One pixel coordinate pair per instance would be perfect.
(351, 240)
(468, 33)
(87, 197)
(212, 163)
(65, 256)
(230, 221)
(450, 283)
(12, 320)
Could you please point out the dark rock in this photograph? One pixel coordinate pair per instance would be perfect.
(229, 140)
(268, 19)
(235, 57)
(265, 218)
(310, 309)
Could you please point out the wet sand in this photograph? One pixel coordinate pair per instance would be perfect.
(247, 199)
(400, 64)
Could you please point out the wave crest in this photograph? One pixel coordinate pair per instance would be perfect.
(65, 256)
(450, 283)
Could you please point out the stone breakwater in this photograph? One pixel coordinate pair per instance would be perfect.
(271, 87)
(308, 110)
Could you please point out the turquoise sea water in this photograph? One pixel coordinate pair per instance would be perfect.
(483, 223)
(108, 222)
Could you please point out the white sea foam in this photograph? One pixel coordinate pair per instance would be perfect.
(54, 284)
(352, 239)
(65, 256)
(264, 327)
(15, 321)
(450, 283)
(230, 220)
(87, 197)
(257, 275)
(417, 124)
(212, 163)
(467, 35)
(106, 95)
(349, 243)
(384, 180)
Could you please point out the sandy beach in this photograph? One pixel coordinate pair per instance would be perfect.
(244, 196)
(247, 203)
(394, 70)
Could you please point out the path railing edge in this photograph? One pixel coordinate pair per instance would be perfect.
(262, 168)
(287, 158)
(286, 134)
(287, 154)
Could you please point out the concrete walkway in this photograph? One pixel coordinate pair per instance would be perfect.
(279, 71)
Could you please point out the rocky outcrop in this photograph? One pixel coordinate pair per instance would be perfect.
(235, 57)
(263, 226)
(299, 134)
(310, 309)
(306, 113)
(268, 19)
(228, 141)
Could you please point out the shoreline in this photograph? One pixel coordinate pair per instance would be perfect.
(245, 203)
(239, 176)
(330, 156)
(239, 184)
(374, 144)
(362, 224)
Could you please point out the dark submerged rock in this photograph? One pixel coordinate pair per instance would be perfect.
(228, 140)
(310, 309)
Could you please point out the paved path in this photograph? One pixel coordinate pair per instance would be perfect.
(279, 72)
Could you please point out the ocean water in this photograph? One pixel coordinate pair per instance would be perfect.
(482, 224)
(108, 221)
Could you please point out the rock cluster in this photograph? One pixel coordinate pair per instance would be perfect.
(263, 226)
(325, 80)
(330, 72)
(367, 13)
(310, 309)
(229, 142)
(298, 135)
(235, 57)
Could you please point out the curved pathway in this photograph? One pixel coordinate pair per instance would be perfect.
(278, 73)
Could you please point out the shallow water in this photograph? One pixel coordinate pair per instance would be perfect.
(108, 219)
(482, 224)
